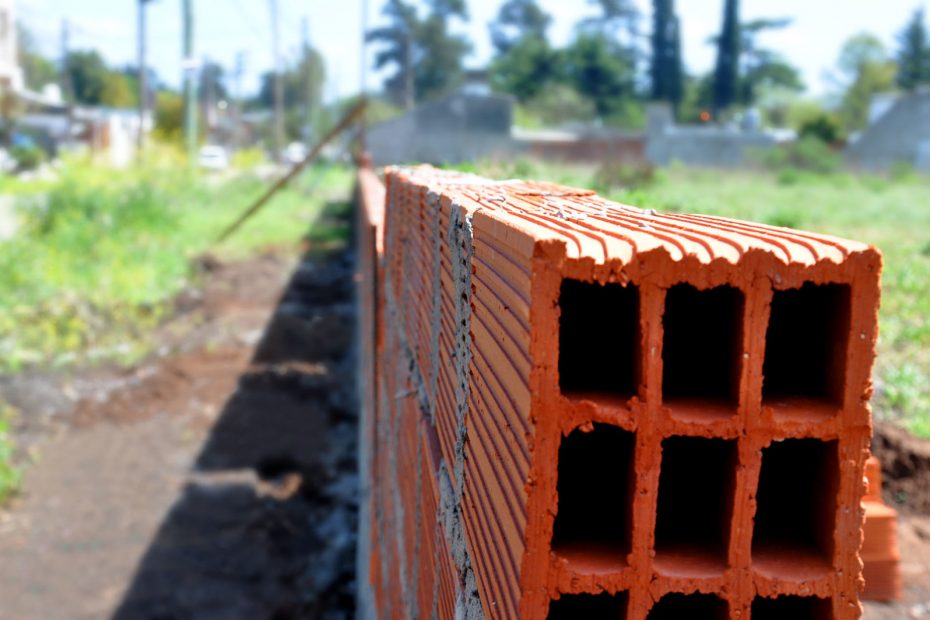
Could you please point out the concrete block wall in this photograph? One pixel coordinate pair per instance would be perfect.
(585, 410)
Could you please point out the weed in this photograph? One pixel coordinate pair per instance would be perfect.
(787, 217)
(809, 154)
(10, 472)
(100, 255)
(618, 175)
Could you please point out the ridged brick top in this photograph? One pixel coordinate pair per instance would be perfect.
(627, 414)
(602, 230)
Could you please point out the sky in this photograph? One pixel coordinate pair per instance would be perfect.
(226, 28)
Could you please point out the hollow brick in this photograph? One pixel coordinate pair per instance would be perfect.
(707, 363)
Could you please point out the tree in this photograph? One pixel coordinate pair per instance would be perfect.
(763, 69)
(439, 57)
(95, 84)
(726, 72)
(666, 69)
(914, 54)
(858, 51)
(529, 67)
(88, 75)
(169, 116)
(118, 91)
(526, 63)
(617, 16)
(213, 82)
(427, 57)
(601, 70)
(397, 41)
(865, 70)
(38, 71)
(310, 66)
(516, 21)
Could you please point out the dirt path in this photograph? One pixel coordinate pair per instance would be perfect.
(215, 482)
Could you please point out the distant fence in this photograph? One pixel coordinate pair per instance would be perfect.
(577, 409)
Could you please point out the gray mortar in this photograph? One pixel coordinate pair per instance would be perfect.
(434, 204)
(468, 605)
(404, 369)
(382, 434)
(364, 594)
(450, 523)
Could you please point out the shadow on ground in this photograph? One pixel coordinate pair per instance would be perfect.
(265, 526)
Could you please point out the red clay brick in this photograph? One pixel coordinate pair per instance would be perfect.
(881, 558)
(741, 350)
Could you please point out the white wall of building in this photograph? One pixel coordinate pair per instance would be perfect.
(10, 72)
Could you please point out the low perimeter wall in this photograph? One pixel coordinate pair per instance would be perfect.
(578, 409)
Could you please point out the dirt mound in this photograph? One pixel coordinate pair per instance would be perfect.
(905, 463)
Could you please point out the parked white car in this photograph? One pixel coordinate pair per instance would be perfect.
(213, 158)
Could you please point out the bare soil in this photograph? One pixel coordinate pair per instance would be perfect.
(215, 480)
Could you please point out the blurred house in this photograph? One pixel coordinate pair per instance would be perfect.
(456, 128)
(110, 133)
(899, 133)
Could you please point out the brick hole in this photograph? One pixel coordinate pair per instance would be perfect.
(598, 338)
(589, 607)
(595, 494)
(805, 348)
(702, 344)
(796, 503)
(695, 504)
(793, 608)
(690, 606)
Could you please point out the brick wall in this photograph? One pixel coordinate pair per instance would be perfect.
(578, 409)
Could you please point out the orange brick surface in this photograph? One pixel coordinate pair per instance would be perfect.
(585, 410)
(881, 558)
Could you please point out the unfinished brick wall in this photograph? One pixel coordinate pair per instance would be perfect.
(584, 410)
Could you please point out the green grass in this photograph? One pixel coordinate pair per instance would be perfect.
(10, 472)
(892, 213)
(101, 253)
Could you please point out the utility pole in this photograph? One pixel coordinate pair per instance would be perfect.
(278, 84)
(208, 92)
(409, 94)
(240, 70)
(190, 84)
(65, 44)
(308, 78)
(66, 86)
(363, 78)
(143, 75)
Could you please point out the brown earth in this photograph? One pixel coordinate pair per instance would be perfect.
(215, 480)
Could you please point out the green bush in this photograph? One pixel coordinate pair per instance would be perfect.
(618, 175)
(808, 154)
(824, 127)
(27, 157)
(247, 159)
